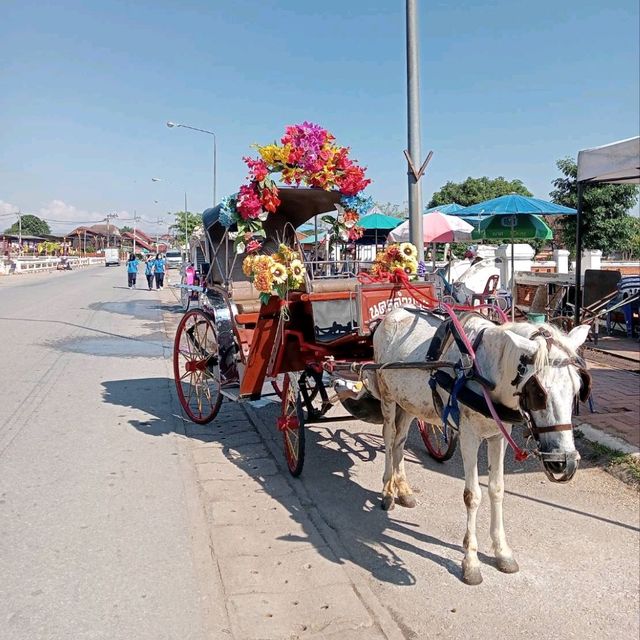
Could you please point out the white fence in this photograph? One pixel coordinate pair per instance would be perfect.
(32, 265)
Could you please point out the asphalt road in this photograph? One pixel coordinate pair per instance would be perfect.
(97, 539)
(101, 533)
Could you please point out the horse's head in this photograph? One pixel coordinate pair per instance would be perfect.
(546, 374)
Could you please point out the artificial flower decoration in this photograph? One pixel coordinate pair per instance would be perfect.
(275, 274)
(396, 257)
(307, 154)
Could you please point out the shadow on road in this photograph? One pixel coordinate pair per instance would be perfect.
(369, 537)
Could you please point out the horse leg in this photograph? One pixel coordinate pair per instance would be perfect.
(405, 495)
(469, 444)
(504, 556)
(388, 430)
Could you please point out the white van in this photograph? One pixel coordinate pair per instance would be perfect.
(111, 256)
(173, 258)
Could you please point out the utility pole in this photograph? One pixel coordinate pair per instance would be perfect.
(110, 216)
(413, 130)
(186, 229)
(135, 220)
(159, 221)
(20, 232)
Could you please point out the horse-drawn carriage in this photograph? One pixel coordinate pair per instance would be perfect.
(236, 346)
(279, 323)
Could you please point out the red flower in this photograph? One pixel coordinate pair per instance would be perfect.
(249, 205)
(258, 169)
(353, 181)
(269, 199)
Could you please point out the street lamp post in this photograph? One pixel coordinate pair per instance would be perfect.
(215, 163)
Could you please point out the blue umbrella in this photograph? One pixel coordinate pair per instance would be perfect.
(514, 204)
(445, 208)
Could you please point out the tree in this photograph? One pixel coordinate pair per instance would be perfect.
(31, 226)
(394, 210)
(126, 229)
(474, 190)
(606, 223)
(193, 220)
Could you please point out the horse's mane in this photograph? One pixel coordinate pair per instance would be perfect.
(526, 330)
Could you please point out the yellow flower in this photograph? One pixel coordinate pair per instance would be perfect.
(263, 282)
(411, 266)
(279, 273)
(408, 250)
(271, 154)
(287, 253)
(296, 268)
(247, 265)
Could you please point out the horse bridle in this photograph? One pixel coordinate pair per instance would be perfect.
(534, 397)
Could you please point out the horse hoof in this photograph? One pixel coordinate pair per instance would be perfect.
(408, 500)
(507, 565)
(388, 503)
(471, 576)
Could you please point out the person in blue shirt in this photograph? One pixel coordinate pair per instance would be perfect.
(158, 265)
(148, 271)
(132, 270)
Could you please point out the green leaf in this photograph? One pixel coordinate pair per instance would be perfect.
(265, 297)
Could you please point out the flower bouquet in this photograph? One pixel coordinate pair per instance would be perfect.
(275, 274)
(307, 154)
(403, 256)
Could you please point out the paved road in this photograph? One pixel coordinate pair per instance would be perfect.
(98, 532)
(102, 533)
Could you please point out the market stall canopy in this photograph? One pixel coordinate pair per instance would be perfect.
(616, 163)
(445, 208)
(515, 204)
(378, 221)
(436, 227)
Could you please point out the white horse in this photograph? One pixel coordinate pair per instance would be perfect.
(539, 376)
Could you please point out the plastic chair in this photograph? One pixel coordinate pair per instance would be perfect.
(489, 293)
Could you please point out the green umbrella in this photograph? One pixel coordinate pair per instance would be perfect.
(504, 226)
(524, 226)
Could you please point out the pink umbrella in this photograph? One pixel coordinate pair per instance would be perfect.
(436, 227)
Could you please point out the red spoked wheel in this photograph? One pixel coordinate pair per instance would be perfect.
(433, 436)
(291, 423)
(196, 366)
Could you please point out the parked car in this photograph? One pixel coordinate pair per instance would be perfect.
(173, 258)
(111, 256)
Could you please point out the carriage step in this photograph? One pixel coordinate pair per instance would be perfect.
(231, 391)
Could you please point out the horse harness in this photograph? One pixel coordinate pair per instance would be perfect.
(533, 396)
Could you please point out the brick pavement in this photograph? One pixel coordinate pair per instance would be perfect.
(616, 400)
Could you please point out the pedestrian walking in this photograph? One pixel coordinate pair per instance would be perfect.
(158, 266)
(132, 270)
(148, 271)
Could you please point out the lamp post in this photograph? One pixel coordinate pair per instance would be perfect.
(186, 217)
(171, 125)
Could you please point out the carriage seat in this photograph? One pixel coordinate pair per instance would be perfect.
(245, 296)
(331, 285)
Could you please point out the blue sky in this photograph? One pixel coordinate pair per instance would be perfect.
(507, 89)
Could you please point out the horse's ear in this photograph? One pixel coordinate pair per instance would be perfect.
(578, 335)
(528, 347)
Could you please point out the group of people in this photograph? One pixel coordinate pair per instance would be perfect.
(154, 269)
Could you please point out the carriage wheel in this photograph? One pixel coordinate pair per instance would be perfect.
(291, 423)
(185, 295)
(433, 437)
(196, 367)
(314, 396)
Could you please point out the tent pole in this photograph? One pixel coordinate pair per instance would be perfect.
(578, 288)
(513, 278)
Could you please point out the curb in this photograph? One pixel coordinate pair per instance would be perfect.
(601, 437)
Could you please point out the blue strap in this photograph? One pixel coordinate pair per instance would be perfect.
(452, 409)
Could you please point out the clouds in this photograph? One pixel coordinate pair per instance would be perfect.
(63, 217)
(6, 208)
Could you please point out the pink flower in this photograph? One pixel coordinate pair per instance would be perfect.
(253, 245)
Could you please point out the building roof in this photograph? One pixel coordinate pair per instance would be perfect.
(104, 229)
